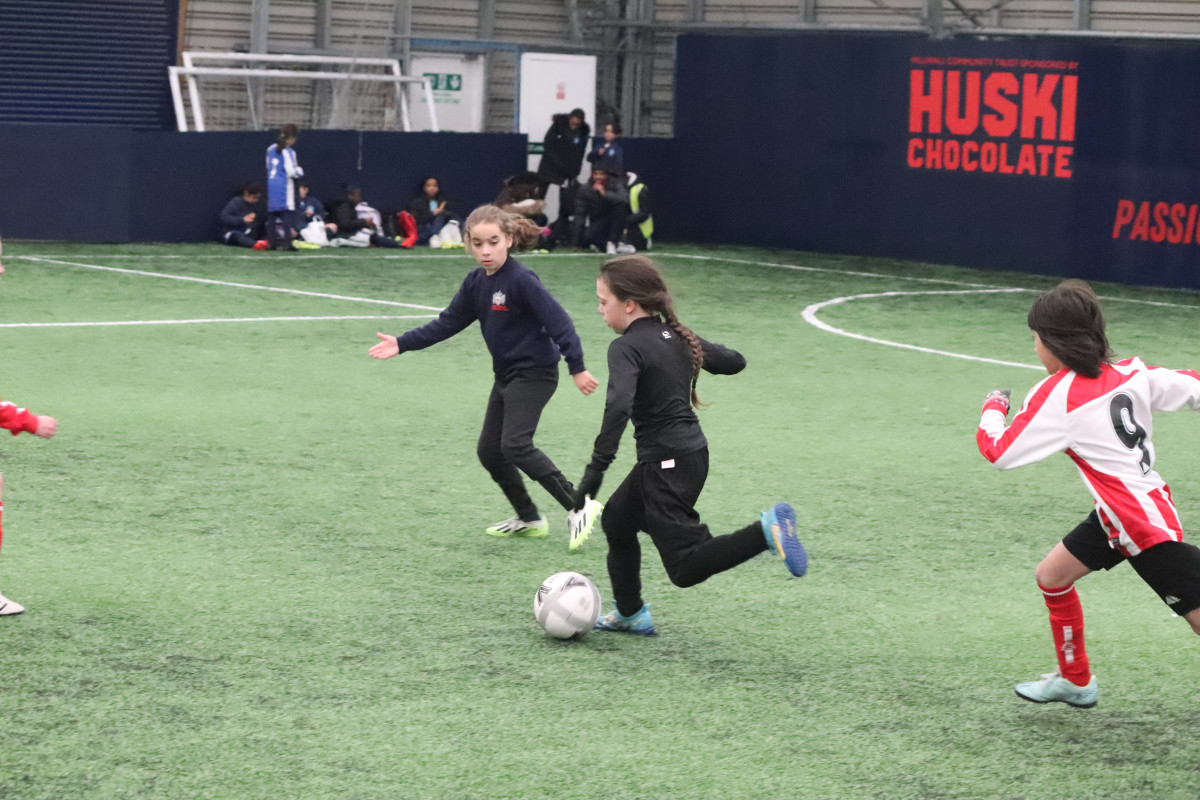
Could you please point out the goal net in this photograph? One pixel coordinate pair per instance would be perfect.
(258, 91)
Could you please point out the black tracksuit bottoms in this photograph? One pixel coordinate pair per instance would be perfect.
(659, 497)
(506, 447)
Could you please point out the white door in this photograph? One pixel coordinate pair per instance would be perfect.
(553, 83)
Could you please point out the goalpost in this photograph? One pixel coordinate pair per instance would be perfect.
(340, 92)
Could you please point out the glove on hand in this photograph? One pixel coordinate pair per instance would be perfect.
(997, 397)
(588, 485)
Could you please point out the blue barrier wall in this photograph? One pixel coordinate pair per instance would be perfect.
(1063, 157)
(111, 184)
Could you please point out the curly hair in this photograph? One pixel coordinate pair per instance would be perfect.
(636, 278)
(524, 232)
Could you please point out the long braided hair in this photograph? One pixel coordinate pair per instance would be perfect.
(636, 278)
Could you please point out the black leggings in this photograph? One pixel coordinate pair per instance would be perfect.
(239, 239)
(506, 447)
(661, 501)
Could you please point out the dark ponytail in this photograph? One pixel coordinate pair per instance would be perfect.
(288, 131)
(636, 278)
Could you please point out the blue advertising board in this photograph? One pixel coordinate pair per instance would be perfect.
(1056, 156)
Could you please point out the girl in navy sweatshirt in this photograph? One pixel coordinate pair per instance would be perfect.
(526, 332)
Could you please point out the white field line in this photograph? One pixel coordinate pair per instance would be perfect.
(202, 321)
(310, 255)
(810, 316)
(914, 279)
(809, 313)
(231, 284)
(801, 268)
(655, 254)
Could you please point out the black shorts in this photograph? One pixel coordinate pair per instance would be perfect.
(1171, 569)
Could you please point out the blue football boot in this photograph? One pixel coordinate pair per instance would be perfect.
(639, 624)
(779, 528)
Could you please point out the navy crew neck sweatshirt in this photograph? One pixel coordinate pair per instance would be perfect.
(522, 324)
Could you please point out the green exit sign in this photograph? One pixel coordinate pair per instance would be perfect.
(445, 81)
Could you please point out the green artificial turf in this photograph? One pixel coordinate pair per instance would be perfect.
(254, 564)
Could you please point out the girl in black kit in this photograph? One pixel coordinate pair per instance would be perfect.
(526, 331)
(652, 370)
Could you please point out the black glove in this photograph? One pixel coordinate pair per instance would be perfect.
(998, 396)
(588, 485)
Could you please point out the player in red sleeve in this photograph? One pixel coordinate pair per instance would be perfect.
(1099, 412)
(17, 420)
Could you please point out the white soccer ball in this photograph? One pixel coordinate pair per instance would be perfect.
(567, 604)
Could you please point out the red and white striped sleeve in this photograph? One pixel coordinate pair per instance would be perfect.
(1038, 431)
(1171, 390)
(17, 420)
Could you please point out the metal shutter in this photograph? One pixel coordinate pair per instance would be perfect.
(87, 62)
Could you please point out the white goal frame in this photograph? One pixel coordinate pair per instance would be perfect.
(189, 70)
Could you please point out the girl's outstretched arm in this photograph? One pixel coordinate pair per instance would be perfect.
(385, 348)
(19, 420)
(721, 360)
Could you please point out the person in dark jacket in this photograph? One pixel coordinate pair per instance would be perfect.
(308, 207)
(600, 212)
(564, 147)
(565, 144)
(609, 153)
(430, 213)
(527, 333)
(241, 219)
(522, 194)
(343, 213)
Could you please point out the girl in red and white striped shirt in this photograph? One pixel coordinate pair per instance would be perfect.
(20, 420)
(1098, 412)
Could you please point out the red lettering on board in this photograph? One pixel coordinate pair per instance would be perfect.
(1007, 117)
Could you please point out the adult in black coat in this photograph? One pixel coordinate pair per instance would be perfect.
(565, 145)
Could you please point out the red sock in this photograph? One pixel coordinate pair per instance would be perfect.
(1066, 622)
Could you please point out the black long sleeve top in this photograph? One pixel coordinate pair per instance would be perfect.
(650, 382)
